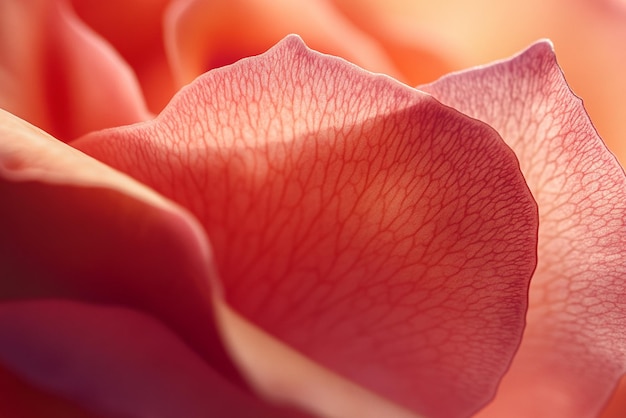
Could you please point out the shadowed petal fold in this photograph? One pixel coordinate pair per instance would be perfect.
(74, 228)
(114, 362)
(383, 235)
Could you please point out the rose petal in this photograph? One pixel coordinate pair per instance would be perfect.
(135, 29)
(590, 36)
(282, 375)
(21, 400)
(57, 74)
(617, 404)
(74, 228)
(205, 34)
(419, 57)
(383, 235)
(573, 349)
(115, 362)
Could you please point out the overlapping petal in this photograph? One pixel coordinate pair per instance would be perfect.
(113, 362)
(381, 234)
(74, 228)
(589, 36)
(573, 351)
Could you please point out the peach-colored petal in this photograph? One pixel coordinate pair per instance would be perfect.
(135, 29)
(75, 228)
(205, 34)
(383, 235)
(59, 75)
(419, 57)
(116, 362)
(589, 36)
(573, 351)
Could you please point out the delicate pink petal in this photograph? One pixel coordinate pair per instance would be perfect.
(74, 228)
(59, 75)
(382, 234)
(135, 29)
(205, 34)
(573, 350)
(115, 362)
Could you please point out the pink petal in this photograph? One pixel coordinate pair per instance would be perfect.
(115, 362)
(383, 235)
(573, 350)
(74, 228)
(280, 373)
(57, 74)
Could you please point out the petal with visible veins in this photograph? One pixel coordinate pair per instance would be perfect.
(573, 351)
(59, 75)
(379, 233)
(123, 244)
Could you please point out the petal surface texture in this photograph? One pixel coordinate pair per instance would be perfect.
(383, 235)
(59, 75)
(573, 351)
(114, 362)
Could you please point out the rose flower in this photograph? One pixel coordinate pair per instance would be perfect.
(291, 235)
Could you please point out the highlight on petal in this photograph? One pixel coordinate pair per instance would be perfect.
(381, 234)
(573, 350)
(204, 34)
(115, 362)
(75, 228)
(59, 75)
